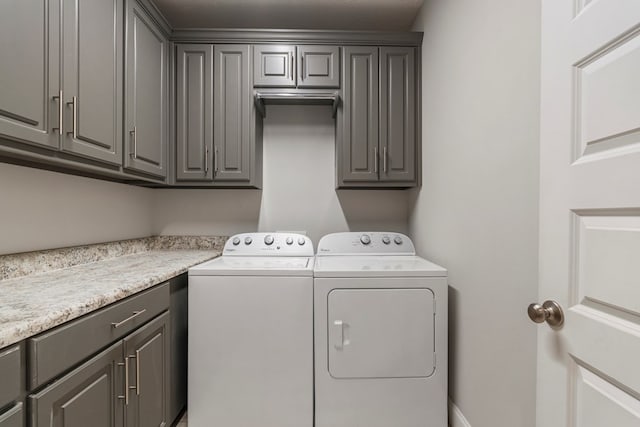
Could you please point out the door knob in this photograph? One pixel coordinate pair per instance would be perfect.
(549, 311)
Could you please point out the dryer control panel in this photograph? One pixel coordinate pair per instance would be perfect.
(269, 244)
(366, 243)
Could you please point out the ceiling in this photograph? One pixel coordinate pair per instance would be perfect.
(383, 15)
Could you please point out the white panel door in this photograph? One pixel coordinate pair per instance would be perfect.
(588, 369)
(381, 333)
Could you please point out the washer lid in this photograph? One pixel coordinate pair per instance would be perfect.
(376, 266)
(254, 266)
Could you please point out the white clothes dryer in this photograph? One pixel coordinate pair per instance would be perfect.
(380, 333)
(251, 334)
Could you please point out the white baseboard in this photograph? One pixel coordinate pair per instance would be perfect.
(456, 419)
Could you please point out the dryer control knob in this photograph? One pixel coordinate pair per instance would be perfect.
(301, 241)
(397, 240)
(268, 239)
(236, 241)
(289, 240)
(386, 240)
(248, 240)
(365, 239)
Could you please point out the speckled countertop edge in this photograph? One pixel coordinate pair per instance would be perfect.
(37, 302)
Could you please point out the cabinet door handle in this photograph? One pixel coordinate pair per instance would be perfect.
(302, 67)
(135, 314)
(74, 123)
(126, 381)
(215, 161)
(60, 99)
(384, 159)
(134, 134)
(375, 159)
(291, 58)
(134, 387)
(206, 160)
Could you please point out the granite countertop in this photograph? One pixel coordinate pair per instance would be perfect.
(33, 303)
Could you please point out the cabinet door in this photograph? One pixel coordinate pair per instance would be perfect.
(92, 78)
(14, 417)
(358, 150)
(146, 351)
(397, 114)
(319, 66)
(146, 93)
(233, 135)
(274, 66)
(194, 112)
(29, 48)
(87, 396)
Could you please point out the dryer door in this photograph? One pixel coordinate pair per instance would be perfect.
(381, 333)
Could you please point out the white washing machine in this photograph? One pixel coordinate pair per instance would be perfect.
(251, 334)
(380, 333)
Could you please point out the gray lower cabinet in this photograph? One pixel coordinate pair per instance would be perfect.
(12, 375)
(179, 322)
(146, 353)
(87, 396)
(62, 75)
(376, 126)
(194, 112)
(146, 93)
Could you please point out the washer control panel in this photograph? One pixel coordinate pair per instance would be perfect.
(366, 243)
(268, 244)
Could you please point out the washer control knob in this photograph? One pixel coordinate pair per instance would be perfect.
(397, 240)
(301, 241)
(365, 239)
(268, 239)
(248, 240)
(236, 241)
(289, 240)
(386, 240)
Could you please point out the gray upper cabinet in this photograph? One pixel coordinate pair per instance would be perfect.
(92, 78)
(87, 396)
(274, 66)
(146, 351)
(194, 112)
(234, 116)
(30, 71)
(376, 127)
(357, 134)
(289, 66)
(318, 67)
(398, 114)
(146, 90)
(62, 86)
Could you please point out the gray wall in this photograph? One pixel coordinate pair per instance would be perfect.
(42, 210)
(476, 213)
(298, 191)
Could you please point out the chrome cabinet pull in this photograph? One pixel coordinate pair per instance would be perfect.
(126, 381)
(206, 160)
(135, 314)
(302, 67)
(215, 160)
(291, 56)
(375, 159)
(137, 372)
(384, 159)
(134, 134)
(60, 99)
(74, 127)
